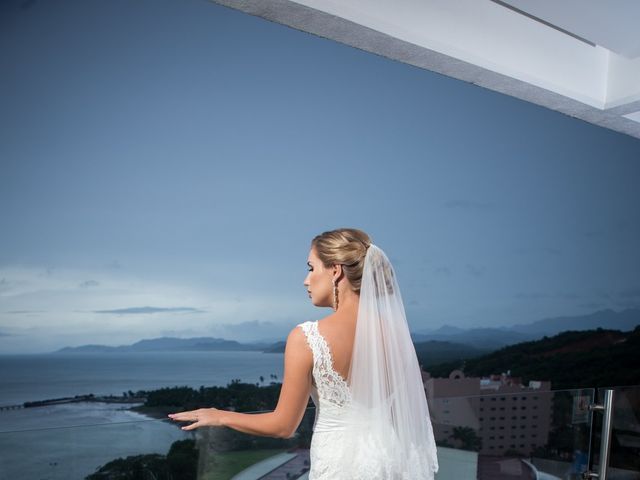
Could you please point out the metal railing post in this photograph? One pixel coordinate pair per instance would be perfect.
(605, 436)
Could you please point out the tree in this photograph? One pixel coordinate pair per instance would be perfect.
(468, 438)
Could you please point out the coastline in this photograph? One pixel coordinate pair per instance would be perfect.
(76, 399)
(156, 413)
(72, 439)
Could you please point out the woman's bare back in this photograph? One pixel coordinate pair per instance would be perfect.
(339, 332)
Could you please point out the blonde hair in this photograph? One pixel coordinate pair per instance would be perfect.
(346, 247)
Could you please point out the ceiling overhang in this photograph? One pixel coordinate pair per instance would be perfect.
(576, 57)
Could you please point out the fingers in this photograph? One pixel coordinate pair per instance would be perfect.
(186, 417)
(201, 417)
(192, 426)
(190, 415)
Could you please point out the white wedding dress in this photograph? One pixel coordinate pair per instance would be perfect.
(331, 396)
(329, 442)
(374, 425)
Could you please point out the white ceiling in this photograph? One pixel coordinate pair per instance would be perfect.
(534, 50)
(612, 24)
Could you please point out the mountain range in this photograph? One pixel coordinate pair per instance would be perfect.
(453, 339)
(165, 344)
(494, 338)
(571, 359)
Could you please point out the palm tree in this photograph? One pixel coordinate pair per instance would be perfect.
(468, 438)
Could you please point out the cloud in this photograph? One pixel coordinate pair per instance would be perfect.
(469, 205)
(253, 330)
(593, 305)
(55, 310)
(630, 292)
(138, 310)
(5, 285)
(539, 295)
(628, 304)
(189, 332)
(89, 283)
(25, 311)
(630, 298)
(47, 272)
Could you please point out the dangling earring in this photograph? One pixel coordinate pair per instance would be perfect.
(335, 295)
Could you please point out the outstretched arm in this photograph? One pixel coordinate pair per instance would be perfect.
(293, 400)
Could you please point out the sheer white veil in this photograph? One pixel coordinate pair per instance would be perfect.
(388, 430)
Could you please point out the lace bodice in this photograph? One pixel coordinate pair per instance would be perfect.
(329, 385)
(332, 398)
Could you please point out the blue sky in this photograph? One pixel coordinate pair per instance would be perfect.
(180, 156)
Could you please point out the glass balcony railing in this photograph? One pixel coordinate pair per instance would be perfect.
(524, 435)
(621, 436)
(153, 449)
(544, 435)
(76, 451)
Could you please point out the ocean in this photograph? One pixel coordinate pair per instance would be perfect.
(70, 441)
(39, 377)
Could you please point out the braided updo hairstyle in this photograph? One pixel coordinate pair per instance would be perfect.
(344, 246)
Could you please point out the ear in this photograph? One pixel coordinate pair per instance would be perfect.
(337, 272)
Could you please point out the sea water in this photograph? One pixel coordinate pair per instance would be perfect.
(26, 378)
(70, 441)
(86, 436)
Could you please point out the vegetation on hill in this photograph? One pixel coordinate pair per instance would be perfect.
(223, 452)
(238, 396)
(434, 352)
(575, 359)
(180, 463)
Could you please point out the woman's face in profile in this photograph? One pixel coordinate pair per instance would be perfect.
(318, 281)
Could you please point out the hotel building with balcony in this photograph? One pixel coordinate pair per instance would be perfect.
(505, 414)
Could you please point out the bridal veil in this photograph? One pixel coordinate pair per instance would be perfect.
(389, 434)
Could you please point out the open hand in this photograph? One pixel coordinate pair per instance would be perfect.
(202, 417)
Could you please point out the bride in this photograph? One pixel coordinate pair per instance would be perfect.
(358, 364)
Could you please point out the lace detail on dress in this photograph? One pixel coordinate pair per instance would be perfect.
(366, 457)
(330, 384)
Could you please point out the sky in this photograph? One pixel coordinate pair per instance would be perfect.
(165, 164)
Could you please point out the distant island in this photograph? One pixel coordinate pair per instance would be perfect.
(445, 343)
(172, 344)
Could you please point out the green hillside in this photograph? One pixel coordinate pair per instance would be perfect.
(575, 359)
(434, 352)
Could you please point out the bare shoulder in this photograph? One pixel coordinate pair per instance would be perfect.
(328, 319)
(297, 340)
(297, 333)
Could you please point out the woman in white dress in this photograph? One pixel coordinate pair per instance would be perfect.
(358, 364)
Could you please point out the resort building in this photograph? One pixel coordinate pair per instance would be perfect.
(492, 415)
